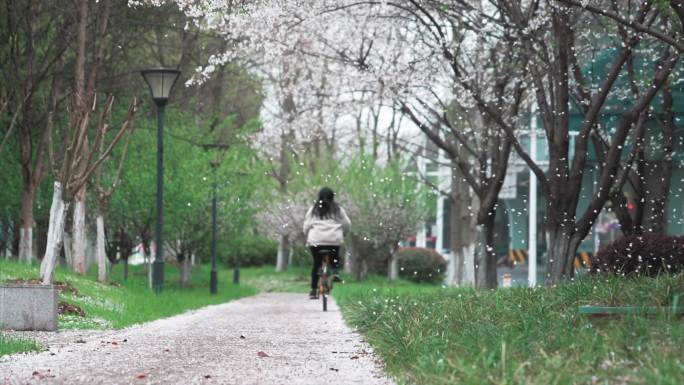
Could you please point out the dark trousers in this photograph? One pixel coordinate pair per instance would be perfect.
(318, 252)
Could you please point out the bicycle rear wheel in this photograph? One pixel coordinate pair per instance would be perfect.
(325, 302)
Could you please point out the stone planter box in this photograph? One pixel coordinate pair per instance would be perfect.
(28, 307)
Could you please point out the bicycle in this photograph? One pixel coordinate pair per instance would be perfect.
(325, 280)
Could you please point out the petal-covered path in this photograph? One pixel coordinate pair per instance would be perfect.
(276, 338)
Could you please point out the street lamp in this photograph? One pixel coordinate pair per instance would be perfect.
(160, 81)
(213, 276)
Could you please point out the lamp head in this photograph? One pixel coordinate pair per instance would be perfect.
(160, 81)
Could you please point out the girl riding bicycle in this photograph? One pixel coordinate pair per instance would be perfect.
(325, 225)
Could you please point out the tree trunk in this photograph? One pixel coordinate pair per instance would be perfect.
(58, 211)
(147, 252)
(91, 249)
(641, 188)
(150, 260)
(68, 255)
(9, 252)
(485, 255)
(562, 248)
(657, 218)
(627, 225)
(363, 269)
(185, 271)
(26, 230)
(4, 237)
(283, 246)
(348, 263)
(100, 254)
(393, 268)
(461, 266)
(79, 233)
(358, 262)
(126, 269)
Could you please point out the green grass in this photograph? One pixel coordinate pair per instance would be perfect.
(297, 279)
(293, 280)
(11, 345)
(379, 286)
(431, 335)
(122, 302)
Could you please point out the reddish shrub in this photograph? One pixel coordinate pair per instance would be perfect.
(645, 254)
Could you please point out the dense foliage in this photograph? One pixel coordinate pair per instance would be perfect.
(641, 254)
(206, 125)
(249, 251)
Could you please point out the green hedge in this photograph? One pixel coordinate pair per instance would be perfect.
(421, 265)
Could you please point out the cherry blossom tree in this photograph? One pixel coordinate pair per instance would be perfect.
(310, 69)
(417, 53)
(283, 220)
(551, 67)
(649, 200)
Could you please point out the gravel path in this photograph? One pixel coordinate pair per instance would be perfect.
(276, 338)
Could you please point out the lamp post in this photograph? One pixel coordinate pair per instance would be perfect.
(160, 81)
(213, 277)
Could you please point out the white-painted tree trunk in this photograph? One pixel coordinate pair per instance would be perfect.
(393, 268)
(461, 267)
(452, 273)
(100, 253)
(469, 266)
(283, 246)
(290, 255)
(26, 244)
(58, 211)
(79, 237)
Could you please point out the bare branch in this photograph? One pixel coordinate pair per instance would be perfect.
(638, 26)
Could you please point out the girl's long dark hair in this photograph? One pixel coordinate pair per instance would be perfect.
(326, 207)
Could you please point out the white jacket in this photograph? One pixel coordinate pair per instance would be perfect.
(326, 232)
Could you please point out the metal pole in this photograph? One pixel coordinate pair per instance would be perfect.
(158, 265)
(594, 231)
(532, 210)
(213, 279)
(236, 271)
